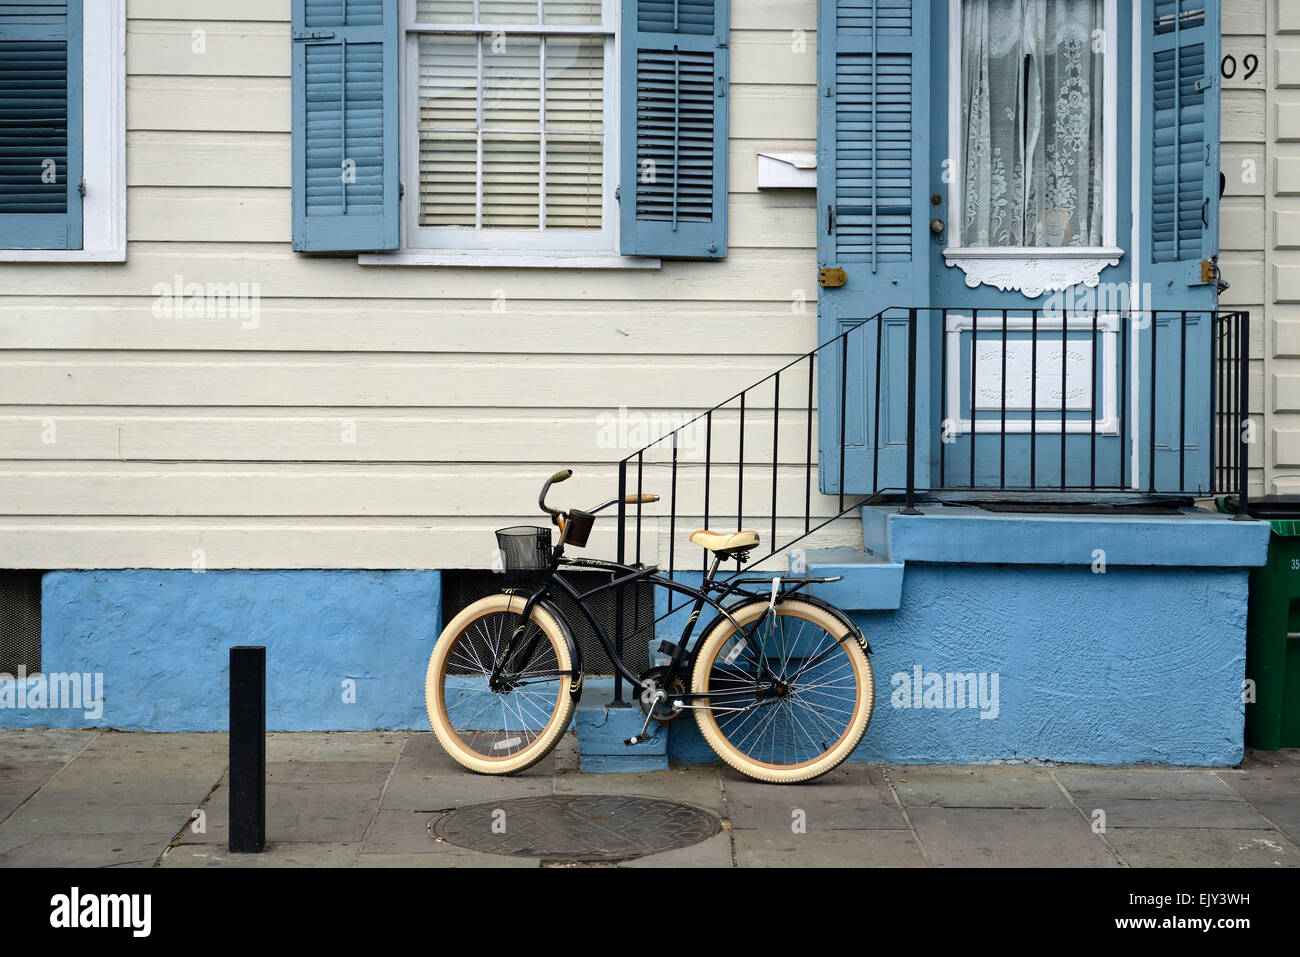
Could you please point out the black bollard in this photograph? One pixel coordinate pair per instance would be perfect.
(247, 749)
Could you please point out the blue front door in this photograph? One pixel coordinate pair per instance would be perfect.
(1007, 219)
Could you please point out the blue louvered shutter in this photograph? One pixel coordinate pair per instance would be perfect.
(673, 190)
(40, 124)
(874, 49)
(1182, 81)
(345, 125)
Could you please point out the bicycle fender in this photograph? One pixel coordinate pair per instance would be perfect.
(850, 629)
(575, 652)
(727, 614)
(840, 616)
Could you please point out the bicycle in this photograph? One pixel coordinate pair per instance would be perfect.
(780, 683)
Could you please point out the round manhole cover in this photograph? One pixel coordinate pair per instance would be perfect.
(577, 827)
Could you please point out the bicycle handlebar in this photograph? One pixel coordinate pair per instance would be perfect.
(644, 498)
(561, 476)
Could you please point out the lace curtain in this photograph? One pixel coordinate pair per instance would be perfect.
(1031, 95)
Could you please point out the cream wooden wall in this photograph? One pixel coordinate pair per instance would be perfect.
(1243, 159)
(1278, 249)
(186, 441)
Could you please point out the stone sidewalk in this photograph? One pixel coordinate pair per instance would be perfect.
(108, 799)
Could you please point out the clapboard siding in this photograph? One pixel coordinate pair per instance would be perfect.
(261, 215)
(767, 327)
(171, 48)
(204, 157)
(763, 274)
(138, 489)
(372, 416)
(384, 380)
(110, 542)
(1258, 249)
(370, 436)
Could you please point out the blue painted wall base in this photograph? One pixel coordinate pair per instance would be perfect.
(345, 650)
(979, 661)
(1019, 637)
(602, 731)
(1039, 663)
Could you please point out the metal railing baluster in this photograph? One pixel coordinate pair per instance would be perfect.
(807, 481)
(1151, 438)
(1065, 389)
(1243, 477)
(974, 375)
(909, 506)
(776, 432)
(1092, 419)
(1033, 399)
(875, 422)
(1182, 404)
(1002, 454)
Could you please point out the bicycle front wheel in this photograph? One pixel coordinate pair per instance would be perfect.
(504, 726)
(787, 699)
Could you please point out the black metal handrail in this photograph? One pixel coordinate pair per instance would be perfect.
(991, 446)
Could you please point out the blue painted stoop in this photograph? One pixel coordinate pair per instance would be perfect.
(1102, 639)
(869, 582)
(602, 731)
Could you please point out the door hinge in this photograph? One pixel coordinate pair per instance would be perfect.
(313, 35)
(81, 187)
(722, 85)
(831, 277)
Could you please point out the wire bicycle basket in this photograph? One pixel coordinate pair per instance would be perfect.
(524, 549)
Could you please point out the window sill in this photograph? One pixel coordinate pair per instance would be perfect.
(1032, 272)
(507, 259)
(63, 255)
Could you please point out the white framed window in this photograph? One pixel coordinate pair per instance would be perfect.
(510, 127)
(103, 132)
(1033, 137)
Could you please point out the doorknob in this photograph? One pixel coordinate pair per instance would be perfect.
(937, 226)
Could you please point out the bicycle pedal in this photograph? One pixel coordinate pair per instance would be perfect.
(638, 739)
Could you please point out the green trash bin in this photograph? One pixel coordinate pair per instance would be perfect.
(1273, 632)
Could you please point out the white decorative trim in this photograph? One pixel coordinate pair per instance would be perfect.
(103, 230)
(1032, 272)
(507, 259)
(1107, 329)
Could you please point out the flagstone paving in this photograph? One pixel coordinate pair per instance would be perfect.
(371, 799)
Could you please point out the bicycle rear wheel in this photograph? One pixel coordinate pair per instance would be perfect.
(787, 700)
(512, 726)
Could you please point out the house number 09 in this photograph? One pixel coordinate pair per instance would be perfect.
(1249, 63)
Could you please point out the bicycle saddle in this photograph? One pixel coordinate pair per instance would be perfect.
(724, 543)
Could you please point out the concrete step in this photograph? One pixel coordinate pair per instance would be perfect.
(602, 731)
(869, 582)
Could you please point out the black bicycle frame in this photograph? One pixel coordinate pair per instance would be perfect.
(630, 574)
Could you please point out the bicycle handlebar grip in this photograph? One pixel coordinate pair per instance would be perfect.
(643, 499)
(560, 476)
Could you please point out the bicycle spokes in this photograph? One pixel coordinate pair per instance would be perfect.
(784, 693)
(498, 712)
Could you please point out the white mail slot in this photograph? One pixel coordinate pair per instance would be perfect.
(787, 170)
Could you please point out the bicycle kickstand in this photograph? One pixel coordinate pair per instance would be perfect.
(660, 695)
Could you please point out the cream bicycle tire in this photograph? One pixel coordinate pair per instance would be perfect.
(436, 688)
(747, 764)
